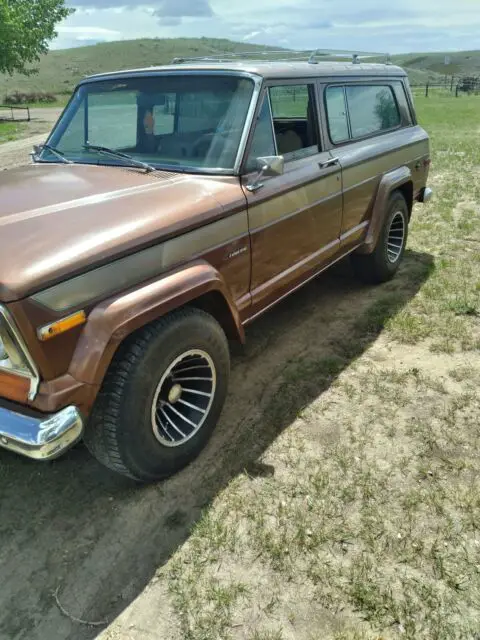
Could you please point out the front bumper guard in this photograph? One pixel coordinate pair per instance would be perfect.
(425, 195)
(38, 436)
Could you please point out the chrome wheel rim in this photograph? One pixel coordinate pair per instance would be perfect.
(396, 237)
(183, 398)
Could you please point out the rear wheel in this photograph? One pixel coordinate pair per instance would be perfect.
(162, 397)
(382, 264)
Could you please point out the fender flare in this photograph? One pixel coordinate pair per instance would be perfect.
(111, 321)
(390, 182)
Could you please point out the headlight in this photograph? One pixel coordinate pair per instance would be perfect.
(14, 355)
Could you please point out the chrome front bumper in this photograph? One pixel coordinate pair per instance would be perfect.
(425, 195)
(40, 437)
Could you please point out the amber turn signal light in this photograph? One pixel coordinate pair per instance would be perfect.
(60, 326)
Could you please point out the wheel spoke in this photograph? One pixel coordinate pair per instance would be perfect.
(197, 393)
(198, 366)
(192, 406)
(163, 427)
(180, 415)
(192, 378)
(170, 421)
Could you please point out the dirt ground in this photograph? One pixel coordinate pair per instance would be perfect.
(14, 154)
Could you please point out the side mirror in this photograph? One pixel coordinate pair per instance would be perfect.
(36, 151)
(267, 166)
(271, 165)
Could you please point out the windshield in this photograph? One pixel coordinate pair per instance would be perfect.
(178, 122)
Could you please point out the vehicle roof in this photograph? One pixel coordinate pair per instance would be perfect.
(267, 70)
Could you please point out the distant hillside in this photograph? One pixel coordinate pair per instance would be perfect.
(459, 63)
(59, 71)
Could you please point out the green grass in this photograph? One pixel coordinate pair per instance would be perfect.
(448, 307)
(368, 526)
(11, 131)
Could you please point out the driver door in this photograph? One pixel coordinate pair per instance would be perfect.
(295, 218)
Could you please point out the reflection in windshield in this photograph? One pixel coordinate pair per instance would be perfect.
(190, 122)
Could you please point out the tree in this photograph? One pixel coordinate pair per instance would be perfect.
(26, 27)
(386, 110)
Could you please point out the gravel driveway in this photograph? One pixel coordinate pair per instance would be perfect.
(14, 154)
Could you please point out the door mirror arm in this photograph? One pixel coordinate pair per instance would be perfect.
(267, 166)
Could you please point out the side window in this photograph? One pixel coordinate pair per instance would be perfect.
(263, 143)
(337, 114)
(402, 101)
(372, 109)
(294, 120)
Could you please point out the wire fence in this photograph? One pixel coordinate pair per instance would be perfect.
(14, 113)
(452, 85)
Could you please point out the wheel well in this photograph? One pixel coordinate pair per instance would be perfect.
(406, 190)
(216, 305)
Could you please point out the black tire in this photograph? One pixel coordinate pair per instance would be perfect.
(120, 432)
(383, 263)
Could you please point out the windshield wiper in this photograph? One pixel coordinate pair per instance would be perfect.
(122, 156)
(37, 150)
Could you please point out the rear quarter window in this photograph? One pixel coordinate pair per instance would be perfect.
(372, 109)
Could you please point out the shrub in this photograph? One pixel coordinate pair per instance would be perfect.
(20, 97)
(469, 83)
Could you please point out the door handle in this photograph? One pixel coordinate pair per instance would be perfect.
(329, 163)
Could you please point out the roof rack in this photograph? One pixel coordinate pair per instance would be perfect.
(289, 55)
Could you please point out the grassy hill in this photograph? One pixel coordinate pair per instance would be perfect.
(460, 63)
(59, 71)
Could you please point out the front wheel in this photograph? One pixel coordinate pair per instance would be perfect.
(382, 264)
(162, 397)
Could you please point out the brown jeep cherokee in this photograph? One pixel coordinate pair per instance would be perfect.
(169, 208)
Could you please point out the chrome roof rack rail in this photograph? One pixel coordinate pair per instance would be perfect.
(356, 56)
(228, 56)
(288, 55)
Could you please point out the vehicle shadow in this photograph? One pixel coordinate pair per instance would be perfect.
(72, 529)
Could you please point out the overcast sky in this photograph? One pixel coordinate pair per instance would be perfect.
(368, 25)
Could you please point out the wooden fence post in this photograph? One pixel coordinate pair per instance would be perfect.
(426, 90)
(451, 84)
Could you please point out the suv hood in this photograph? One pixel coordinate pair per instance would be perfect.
(59, 220)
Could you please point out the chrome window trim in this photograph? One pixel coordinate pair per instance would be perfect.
(249, 122)
(271, 119)
(35, 375)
